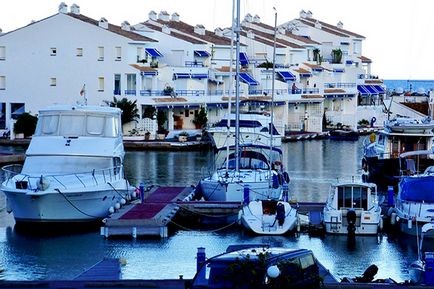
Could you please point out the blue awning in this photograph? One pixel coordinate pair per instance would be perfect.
(247, 78)
(339, 70)
(149, 73)
(201, 53)
(153, 52)
(380, 89)
(349, 62)
(363, 90)
(371, 89)
(305, 74)
(317, 69)
(286, 75)
(181, 75)
(199, 75)
(244, 60)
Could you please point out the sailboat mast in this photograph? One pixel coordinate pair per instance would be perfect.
(272, 92)
(237, 88)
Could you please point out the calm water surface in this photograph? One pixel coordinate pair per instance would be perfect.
(312, 166)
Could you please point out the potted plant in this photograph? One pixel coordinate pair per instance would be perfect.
(168, 90)
(336, 56)
(200, 118)
(147, 135)
(182, 137)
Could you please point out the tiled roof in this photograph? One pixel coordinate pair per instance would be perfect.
(278, 40)
(365, 59)
(187, 28)
(370, 81)
(336, 28)
(301, 70)
(324, 28)
(169, 99)
(113, 28)
(262, 40)
(175, 34)
(312, 96)
(313, 66)
(301, 38)
(143, 68)
(334, 90)
(226, 69)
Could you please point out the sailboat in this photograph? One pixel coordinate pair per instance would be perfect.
(248, 171)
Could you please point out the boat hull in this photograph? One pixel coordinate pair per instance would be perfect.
(64, 206)
(367, 223)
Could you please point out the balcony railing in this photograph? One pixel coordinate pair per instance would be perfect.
(130, 92)
(189, 92)
(339, 84)
(194, 64)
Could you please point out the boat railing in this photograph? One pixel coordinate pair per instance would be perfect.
(94, 177)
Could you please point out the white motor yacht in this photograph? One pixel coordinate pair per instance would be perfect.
(254, 128)
(73, 171)
(352, 208)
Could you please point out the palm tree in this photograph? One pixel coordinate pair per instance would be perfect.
(129, 109)
(337, 55)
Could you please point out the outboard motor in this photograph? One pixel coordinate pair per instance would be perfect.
(280, 213)
(351, 220)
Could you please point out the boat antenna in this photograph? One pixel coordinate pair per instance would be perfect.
(272, 93)
(237, 89)
(228, 132)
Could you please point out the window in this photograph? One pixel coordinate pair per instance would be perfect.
(140, 55)
(100, 53)
(118, 53)
(53, 51)
(100, 83)
(117, 84)
(17, 109)
(2, 115)
(131, 84)
(2, 82)
(79, 52)
(53, 81)
(2, 52)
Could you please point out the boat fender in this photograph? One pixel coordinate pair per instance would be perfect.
(393, 218)
(240, 214)
(123, 201)
(117, 206)
(380, 225)
(42, 184)
(280, 213)
(351, 219)
(286, 177)
(8, 206)
(111, 210)
(410, 223)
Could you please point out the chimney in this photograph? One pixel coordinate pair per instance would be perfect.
(165, 29)
(340, 25)
(163, 15)
(302, 14)
(126, 26)
(219, 32)
(256, 19)
(103, 23)
(175, 17)
(152, 15)
(75, 9)
(250, 34)
(63, 8)
(199, 29)
(309, 14)
(318, 25)
(248, 17)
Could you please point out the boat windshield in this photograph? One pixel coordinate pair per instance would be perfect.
(417, 189)
(352, 197)
(77, 124)
(249, 160)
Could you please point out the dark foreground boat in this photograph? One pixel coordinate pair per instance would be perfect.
(343, 134)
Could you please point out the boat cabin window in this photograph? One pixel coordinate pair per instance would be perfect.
(352, 197)
(249, 160)
(75, 125)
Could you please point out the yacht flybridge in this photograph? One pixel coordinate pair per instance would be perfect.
(73, 169)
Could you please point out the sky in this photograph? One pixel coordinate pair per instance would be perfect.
(399, 33)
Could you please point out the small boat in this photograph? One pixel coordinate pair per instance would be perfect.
(269, 217)
(343, 134)
(381, 163)
(254, 128)
(352, 208)
(73, 171)
(414, 205)
(260, 266)
(420, 271)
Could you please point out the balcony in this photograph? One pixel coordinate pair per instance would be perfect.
(130, 92)
(194, 64)
(117, 92)
(339, 84)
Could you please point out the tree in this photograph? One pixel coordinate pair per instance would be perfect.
(149, 112)
(200, 119)
(128, 107)
(316, 54)
(161, 120)
(26, 124)
(337, 55)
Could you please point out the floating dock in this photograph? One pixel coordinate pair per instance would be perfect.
(148, 218)
(106, 269)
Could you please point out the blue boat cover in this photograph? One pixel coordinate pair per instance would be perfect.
(243, 58)
(247, 78)
(153, 52)
(417, 189)
(201, 53)
(286, 75)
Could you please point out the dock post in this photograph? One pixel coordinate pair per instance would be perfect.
(142, 192)
(134, 233)
(246, 196)
(200, 260)
(390, 195)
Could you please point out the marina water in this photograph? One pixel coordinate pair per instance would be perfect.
(312, 166)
